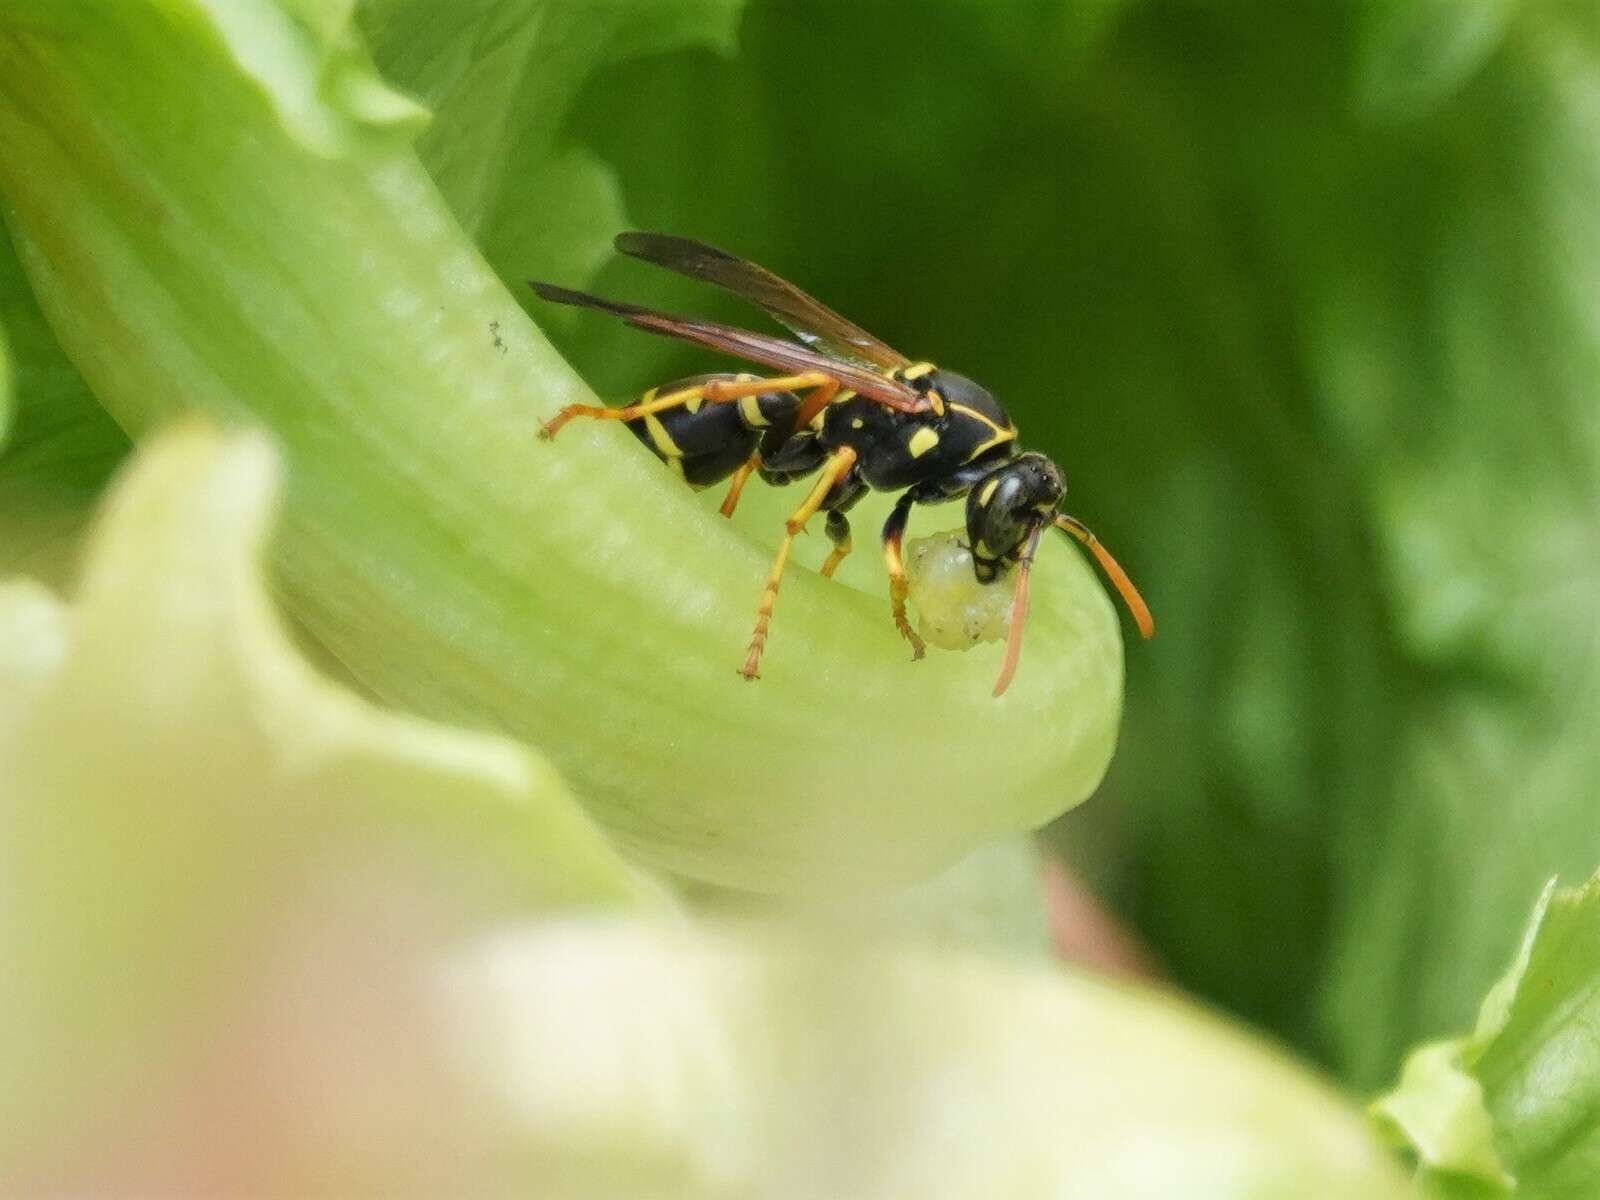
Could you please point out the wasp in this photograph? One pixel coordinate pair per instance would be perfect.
(851, 412)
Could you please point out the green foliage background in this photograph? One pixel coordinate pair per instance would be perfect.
(1304, 298)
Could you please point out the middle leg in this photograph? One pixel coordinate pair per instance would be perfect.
(837, 467)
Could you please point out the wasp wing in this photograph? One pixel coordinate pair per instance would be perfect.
(812, 321)
(741, 343)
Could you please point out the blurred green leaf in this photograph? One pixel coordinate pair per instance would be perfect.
(1523, 1089)
(500, 78)
(1414, 54)
(171, 772)
(60, 446)
(7, 400)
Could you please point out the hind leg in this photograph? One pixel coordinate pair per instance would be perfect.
(836, 469)
(715, 391)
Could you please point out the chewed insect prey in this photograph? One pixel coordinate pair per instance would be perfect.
(845, 415)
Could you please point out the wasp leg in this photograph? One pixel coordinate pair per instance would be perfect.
(894, 530)
(821, 396)
(715, 391)
(651, 403)
(736, 485)
(838, 533)
(835, 469)
(719, 390)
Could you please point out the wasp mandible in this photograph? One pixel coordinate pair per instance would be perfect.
(855, 414)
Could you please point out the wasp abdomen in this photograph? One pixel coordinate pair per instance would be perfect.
(705, 442)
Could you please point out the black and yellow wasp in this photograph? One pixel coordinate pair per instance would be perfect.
(849, 407)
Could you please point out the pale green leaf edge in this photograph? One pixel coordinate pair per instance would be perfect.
(306, 59)
(1438, 1107)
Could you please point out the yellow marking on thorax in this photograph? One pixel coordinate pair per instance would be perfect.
(693, 403)
(923, 440)
(917, 370)
(664, 444)
(987, 493)
(750, 410)
(1002, 434)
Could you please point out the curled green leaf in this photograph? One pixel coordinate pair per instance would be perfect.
(572, 594)
(1512, 1105)
(306, 60)
(1437, 1109)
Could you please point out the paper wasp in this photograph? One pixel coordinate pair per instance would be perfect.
(851, 411)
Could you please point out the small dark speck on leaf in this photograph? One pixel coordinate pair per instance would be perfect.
(494, 332)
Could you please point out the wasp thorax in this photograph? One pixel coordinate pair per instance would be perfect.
(1006, 506)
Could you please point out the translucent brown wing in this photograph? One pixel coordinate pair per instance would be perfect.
(754, 347)
(813, 322)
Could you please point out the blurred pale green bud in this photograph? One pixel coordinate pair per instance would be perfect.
(179, 791)
(638, 1060)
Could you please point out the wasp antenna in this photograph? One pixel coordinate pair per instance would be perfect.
(1019, 615)
(1137, 608)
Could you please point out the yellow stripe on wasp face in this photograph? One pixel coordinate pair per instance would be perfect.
(987, 493)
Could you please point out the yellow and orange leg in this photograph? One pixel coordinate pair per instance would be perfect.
(894, 530)
(821, 396)
(736, 484)
(835, 469)
(717, 391)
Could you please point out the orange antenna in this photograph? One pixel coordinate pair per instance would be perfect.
(1019, 615)
(1119, 578)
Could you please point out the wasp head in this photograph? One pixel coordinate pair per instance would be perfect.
(1007, 506)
